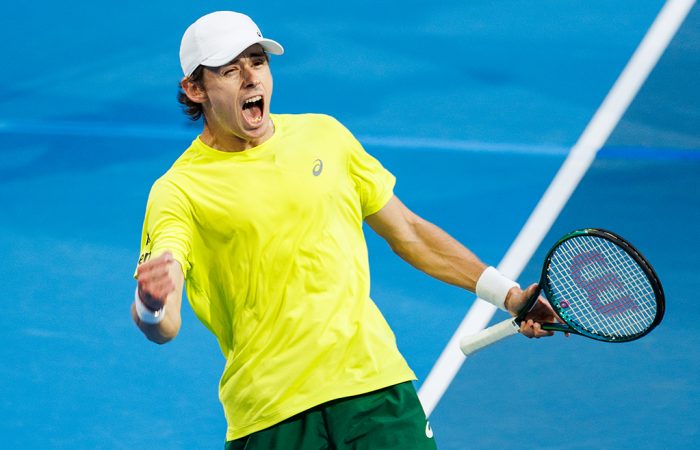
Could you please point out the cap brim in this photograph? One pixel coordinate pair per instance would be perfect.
(271, 46)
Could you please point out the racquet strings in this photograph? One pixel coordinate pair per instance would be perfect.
(599, 289)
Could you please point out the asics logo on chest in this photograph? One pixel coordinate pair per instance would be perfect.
(318, 167)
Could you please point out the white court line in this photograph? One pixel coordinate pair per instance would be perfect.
(557, 194)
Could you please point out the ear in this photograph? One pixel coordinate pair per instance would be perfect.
(193, 91)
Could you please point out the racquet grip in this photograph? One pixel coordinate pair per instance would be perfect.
(475, 342)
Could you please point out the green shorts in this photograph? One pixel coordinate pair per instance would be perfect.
(390, 418)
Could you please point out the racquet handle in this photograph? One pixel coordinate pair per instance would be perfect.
(475, 342)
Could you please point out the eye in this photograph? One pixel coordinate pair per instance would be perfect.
(229, 71)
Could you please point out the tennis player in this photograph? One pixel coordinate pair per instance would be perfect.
(262, 218)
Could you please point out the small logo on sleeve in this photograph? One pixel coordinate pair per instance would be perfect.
(146, 251)
(318, 167)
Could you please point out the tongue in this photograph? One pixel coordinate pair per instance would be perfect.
(253, 114)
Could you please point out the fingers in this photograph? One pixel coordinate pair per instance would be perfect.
(542, 312)
(154, 294)
(155, 264)
(155, 281)
(533, 329)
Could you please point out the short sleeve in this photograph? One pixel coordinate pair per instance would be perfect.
(374, 183)
(167, 225)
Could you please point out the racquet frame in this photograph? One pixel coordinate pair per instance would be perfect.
(472, 343)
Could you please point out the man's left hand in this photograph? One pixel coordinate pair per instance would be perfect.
(540, 313)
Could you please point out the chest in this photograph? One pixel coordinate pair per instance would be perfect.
(270, 192)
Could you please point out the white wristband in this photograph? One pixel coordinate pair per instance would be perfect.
(493, 287)
(145, 314)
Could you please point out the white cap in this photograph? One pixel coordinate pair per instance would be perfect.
(217, 38)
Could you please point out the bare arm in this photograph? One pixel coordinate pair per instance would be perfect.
(433, 251)
(160, 283)
(425, 246)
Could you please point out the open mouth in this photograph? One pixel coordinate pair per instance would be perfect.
(253, 109)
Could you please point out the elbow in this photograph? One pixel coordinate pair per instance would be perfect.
(406, 247)
(400, 248)
(409, 241)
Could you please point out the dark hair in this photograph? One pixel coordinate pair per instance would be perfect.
(193, 110)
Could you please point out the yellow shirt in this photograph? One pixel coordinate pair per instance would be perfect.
(275, 261)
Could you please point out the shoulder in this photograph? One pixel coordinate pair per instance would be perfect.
(173, 183)
(166, 190)
(177, 172)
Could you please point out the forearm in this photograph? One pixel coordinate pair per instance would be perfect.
(433, 251)
(436, 253)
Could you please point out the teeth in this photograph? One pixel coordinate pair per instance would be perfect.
(257, 98)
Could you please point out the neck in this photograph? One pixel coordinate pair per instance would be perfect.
(229, 142)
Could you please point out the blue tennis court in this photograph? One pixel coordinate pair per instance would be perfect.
(474, 106)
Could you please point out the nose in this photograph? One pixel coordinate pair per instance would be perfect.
(250, 78)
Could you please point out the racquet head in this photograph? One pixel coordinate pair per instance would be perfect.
(601, 287)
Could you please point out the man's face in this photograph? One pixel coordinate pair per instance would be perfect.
(239, 95)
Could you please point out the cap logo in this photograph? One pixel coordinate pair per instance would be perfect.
(259, 34)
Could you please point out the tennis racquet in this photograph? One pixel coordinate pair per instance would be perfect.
(598, 284)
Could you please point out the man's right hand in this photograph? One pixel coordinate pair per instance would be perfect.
(160, 282)
(156, 281)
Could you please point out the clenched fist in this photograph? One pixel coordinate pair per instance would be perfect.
(160, 281)
(156, 281)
